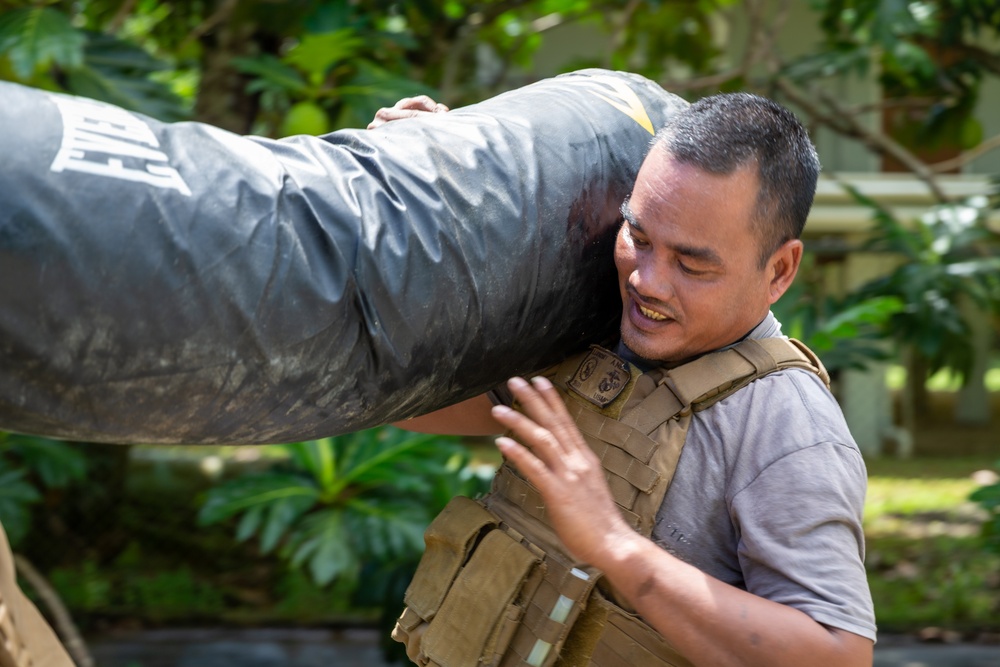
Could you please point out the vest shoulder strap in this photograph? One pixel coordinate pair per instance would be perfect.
(701, 383)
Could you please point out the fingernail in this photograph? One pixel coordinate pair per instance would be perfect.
(541, 382)
(500, 410)
(517, 383)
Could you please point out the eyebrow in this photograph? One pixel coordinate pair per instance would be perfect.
(699, 253)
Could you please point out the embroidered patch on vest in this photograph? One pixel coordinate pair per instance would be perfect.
(601, 377)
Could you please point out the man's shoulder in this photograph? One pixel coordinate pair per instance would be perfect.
(775, 415)
(797, 394)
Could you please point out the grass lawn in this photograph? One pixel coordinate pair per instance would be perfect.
(925, 561)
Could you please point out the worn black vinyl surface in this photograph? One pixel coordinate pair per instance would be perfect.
(177, 283)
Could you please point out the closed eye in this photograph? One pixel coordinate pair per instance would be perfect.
(637, 240)
(690, 271)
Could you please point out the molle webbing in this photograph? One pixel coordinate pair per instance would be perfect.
(497, 588)
(638, 454)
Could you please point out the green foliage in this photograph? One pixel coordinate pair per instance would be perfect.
(947, 255)
(988, 497)
(939, 581)
(344, 501)
(928, 53)
(925, 564)
(28, 466)
(16, 496)
(343, 65)
(171, 594)
(83, 588)
(159, 595)
(38, 37)
(846, 332)
(45, 48)
(298, 597)
(120, 73)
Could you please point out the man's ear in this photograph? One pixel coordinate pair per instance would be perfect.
(782, 267)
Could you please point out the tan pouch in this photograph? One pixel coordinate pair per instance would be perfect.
(26, 639)
(449, 539)
(478, 617)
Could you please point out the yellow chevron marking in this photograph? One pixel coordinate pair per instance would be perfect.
(622, 98)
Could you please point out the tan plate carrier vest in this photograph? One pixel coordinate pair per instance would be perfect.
(26, 639)
(495, 586)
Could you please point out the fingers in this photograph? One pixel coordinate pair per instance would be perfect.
(421, 103)
(545, 426)
(530, 465)
(543, 404)
(537, 438)
(408, 107)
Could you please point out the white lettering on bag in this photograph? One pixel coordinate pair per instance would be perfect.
(108, 141)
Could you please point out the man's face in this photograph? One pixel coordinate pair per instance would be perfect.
(687, 260)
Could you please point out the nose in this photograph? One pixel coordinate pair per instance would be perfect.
(651, 283)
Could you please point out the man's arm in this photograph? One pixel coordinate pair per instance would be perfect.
(710, 622)
(471, 417)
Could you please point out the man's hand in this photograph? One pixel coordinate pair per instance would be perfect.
(408, 107)
(708, 621)
(553, 456)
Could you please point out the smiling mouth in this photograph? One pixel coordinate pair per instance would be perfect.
(651, 314)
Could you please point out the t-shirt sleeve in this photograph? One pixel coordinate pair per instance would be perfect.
(800, 539)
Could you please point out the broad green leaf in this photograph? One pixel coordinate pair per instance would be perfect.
(36, 37)
(316, 53)
(250, 523)
(273, 71)
(244, 493)
(876, 310)
(987, 496)
(56, 463)
(322, 543)
(319, 458)
(118, 72)
(280, 516)
(387, 530)
(16, 495)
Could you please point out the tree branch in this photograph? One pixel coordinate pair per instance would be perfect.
(761, 39)
(966, 157)
(115, 24)
(840, 120)
(219, 16)
(620, 30)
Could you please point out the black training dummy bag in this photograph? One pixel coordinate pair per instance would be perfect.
(178, 283)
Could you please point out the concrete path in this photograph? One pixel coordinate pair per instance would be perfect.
(226, 647)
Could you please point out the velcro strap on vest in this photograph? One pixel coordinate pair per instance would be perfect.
(630, 439)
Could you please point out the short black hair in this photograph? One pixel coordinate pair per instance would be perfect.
(722, 133)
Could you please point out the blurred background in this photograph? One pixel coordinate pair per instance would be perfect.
(899, 294)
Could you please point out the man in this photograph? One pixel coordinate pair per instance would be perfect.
(756, 554)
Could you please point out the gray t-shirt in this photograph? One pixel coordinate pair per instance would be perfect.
(768, 496)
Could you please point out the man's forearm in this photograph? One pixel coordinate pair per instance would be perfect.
(713, 623)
